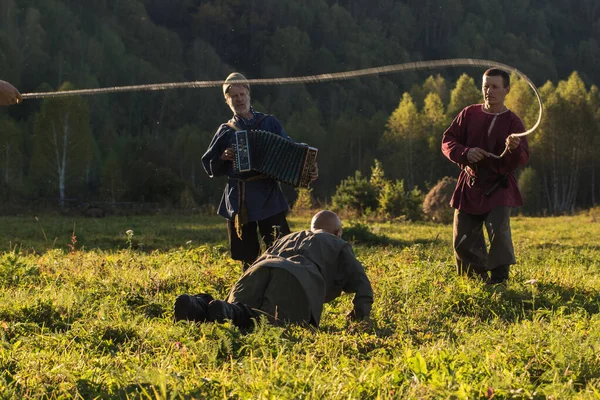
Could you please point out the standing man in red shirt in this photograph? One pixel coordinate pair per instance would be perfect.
(486, 187)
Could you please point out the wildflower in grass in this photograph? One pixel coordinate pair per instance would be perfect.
(129, 240)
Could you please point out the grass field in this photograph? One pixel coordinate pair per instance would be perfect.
(90, 316)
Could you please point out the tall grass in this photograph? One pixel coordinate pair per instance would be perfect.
(95, 320)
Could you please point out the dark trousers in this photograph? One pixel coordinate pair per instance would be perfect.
(247, 249)
(273, 292)
(470, 250)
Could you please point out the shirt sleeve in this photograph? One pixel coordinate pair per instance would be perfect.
(453, 138)
(519, 156)
(211, 160)
(356, 282)
(276, 127)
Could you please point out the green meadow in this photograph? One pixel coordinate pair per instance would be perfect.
(86, 312)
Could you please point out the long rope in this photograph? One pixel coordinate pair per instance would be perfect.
(337, 76)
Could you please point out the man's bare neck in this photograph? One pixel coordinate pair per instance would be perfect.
(495, 108)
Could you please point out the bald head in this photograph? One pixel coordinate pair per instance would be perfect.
(327, 221)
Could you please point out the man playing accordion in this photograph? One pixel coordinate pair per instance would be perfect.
(252, 202)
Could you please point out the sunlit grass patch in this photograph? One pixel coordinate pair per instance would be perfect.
(95, 321)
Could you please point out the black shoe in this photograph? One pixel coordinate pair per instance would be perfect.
(499, 275)
(192, 308)
(219, 311)
(494, 280)
(238, 313)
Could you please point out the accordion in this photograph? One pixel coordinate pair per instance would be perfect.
(274, 156)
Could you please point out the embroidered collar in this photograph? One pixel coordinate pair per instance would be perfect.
(491, 113)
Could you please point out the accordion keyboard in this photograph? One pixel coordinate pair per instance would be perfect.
(273, 155)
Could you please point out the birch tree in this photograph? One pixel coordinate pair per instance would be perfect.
(591, 154)
(434, 123)
(464, 94)
(11, 160)
(63, 144)
(559, 147)
(577, 136)
(403, 146)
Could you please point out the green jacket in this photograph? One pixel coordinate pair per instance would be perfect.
(325, 266)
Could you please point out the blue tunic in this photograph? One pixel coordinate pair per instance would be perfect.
(264, 197)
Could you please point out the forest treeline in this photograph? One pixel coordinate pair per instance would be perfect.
(146, 146)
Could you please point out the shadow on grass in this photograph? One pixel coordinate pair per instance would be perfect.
(88, 389)
(511, 304)
(147, 233)
(566, 247)
(43, 314)
(362, 234)
(168, 239)
(144, 243)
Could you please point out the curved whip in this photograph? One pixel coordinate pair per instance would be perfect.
(336, 76)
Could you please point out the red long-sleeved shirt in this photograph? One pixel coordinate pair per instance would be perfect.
(474, 127)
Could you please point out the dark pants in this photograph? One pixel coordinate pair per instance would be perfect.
(270, 291)
(273, 292)
(247, 249)
(470, 250)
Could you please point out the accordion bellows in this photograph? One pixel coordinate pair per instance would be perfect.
(273, 155)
